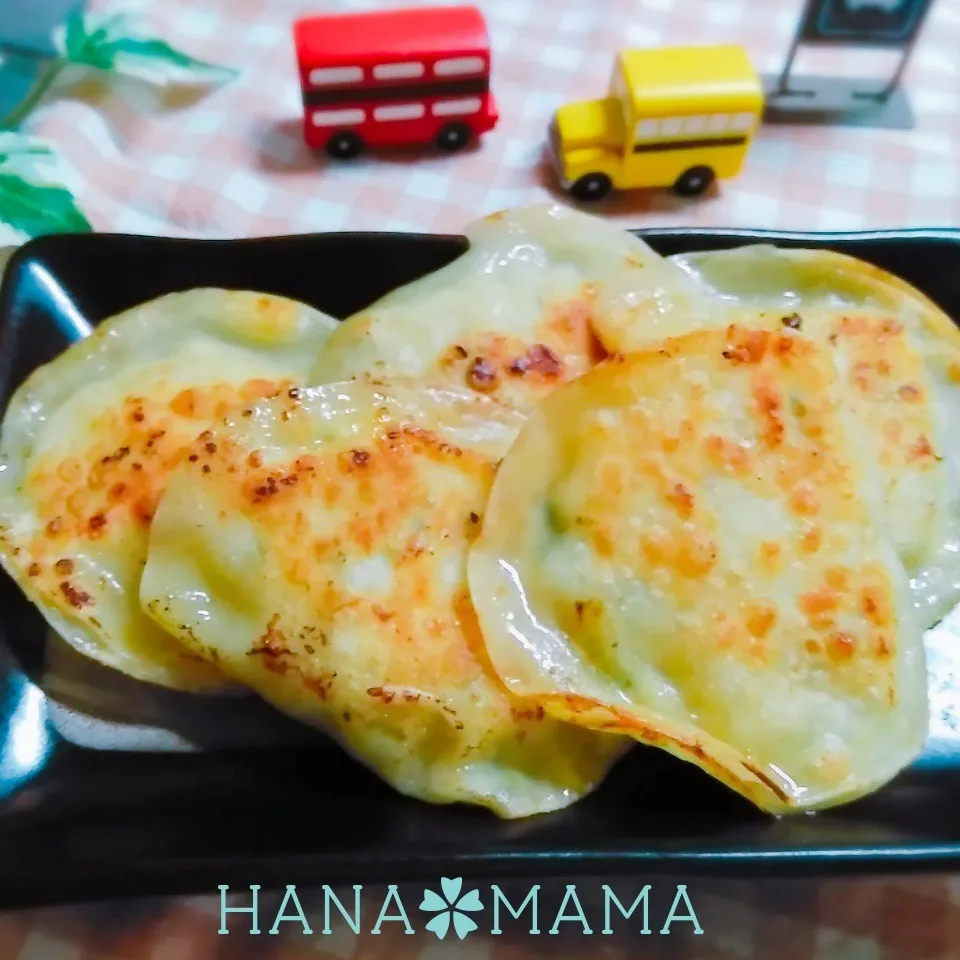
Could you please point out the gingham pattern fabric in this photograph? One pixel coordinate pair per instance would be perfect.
(917, 919)
(233, 164)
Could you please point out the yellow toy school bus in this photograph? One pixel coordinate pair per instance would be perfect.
(675, 117)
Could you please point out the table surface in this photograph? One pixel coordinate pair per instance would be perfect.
(866, 919)
(232, 163)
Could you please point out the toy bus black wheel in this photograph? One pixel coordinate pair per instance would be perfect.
(592, 186)
(453, 136)
(694, 181)
(344, 145)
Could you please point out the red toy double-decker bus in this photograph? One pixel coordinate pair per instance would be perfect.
(395, 77)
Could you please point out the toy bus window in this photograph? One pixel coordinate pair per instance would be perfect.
(695, 124)
(671, 126)
(336, 118)
(400, 111)
(459, 66)
(741, 122)
(456, 108)
(718, 123)
(330, 76)
(646, 129)
(398, 71)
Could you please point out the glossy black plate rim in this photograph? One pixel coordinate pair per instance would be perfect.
(97, 825)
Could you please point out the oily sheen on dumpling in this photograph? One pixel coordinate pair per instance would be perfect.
(314, 547)
(681, 546)
(900, 355)
(89, 439)
(514, 315)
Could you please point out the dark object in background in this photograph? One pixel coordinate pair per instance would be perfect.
(891, 24)
(79, 823)
(29, 24)
(877, 22)
(26, 44)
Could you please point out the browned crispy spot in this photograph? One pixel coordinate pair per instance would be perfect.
(760, 620)
(116, 456)
(75, 597)
(770, 407)
(841, 646)
(272, 646)
(909, 393)
(378, 693)
(538, 359)
(745, 346)
(481, 376)
(320, 685)
(681, 499)
(96, 524)
(535, 713)
(627, 723)
(875, 607)
(921, 450)
(769, 783)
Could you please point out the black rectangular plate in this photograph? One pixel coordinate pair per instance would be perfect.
(82, 824)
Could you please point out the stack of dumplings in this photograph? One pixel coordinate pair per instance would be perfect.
(557, 498)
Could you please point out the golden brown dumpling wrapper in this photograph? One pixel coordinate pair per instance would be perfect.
(514, 315)
(88, 442)
(682, 546)
(314, 547)
(900, 356)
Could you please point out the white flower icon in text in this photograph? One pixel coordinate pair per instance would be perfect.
(451, 906)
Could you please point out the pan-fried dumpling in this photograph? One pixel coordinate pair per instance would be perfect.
(681, 546)
(89, 439)
(514, 315)
(314, 547)
(901, 358)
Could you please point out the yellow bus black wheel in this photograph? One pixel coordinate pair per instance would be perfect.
(693, 182)
(591, 186)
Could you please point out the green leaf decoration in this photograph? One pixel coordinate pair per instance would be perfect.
(118, 43)
(31, 201)
(35, 209)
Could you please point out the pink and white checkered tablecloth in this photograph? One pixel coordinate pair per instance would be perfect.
(876, 919)
(233, 164)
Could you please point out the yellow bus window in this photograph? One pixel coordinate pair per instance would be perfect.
(646, 129)
(671, 126)
(695, 124)
(741, 122)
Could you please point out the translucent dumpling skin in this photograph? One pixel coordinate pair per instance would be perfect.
(89, 440)
(899, 357)
(527, 307)
(314, 548)
(682, 546)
